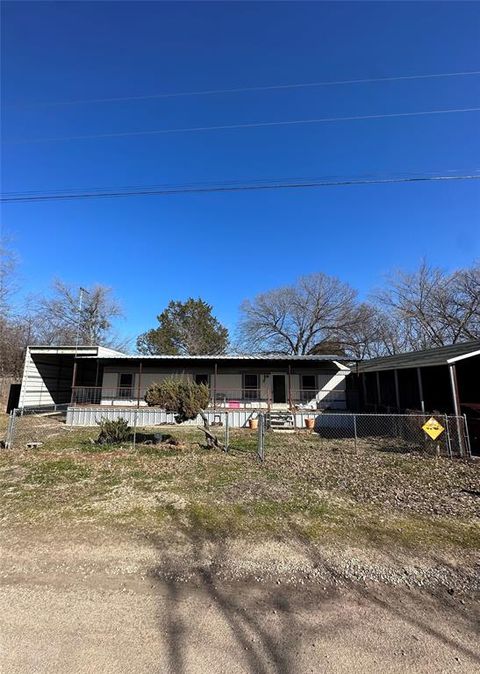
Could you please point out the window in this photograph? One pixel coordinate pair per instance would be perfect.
(309, 387)
(201, 379)
(125, 385)
(250, 386)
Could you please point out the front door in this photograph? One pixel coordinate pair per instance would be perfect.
(279, 388)
(125, 385)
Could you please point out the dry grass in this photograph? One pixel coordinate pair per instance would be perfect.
(307, 490)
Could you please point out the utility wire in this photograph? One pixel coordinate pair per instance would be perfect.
(91, 194)
(250, 125)
(237, 90)
(279, 180)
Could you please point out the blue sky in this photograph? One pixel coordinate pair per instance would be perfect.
(227, 247)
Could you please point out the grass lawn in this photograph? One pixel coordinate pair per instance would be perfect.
(306, 490)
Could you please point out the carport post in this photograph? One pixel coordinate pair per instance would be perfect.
(454, 386)
(456, 406)
(379, 391)
(420, 390)
(363, 375)
(397, 390)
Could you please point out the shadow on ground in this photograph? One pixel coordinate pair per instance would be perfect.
(282, 628)
(262, 619)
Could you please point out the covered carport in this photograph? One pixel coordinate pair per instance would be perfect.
(49, 372)
(445, 380)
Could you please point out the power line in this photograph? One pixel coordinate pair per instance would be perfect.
(237, 90)
(249, 125)
(251, 186)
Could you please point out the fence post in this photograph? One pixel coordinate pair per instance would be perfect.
(467, 438)
(461, 443)
(10, 426)
(449, 441)
(261, 438)
(355, 430)
(227, 432)
(135, 429)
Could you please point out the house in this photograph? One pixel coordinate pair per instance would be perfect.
(95, 376)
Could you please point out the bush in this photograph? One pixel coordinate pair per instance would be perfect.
(183, 397)
(113, 431)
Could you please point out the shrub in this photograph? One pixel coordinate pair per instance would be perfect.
(186, 399)
(183, 397)
(113, 431)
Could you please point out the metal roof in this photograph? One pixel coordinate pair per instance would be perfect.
(260, 357)
(442, 355)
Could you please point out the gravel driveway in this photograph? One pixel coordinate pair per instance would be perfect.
(92, 603)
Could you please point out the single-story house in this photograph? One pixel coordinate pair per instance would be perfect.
(97, 376)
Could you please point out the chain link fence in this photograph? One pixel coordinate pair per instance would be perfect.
(388, 432)
(30, 428)
(347, 431)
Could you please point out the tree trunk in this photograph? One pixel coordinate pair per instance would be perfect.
(212, 440)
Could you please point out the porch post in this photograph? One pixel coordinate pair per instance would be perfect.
(215, 372)
(290, 386)
(140, 369)
(420, 390)
(397, 390)
(74, 379)
(97, 373)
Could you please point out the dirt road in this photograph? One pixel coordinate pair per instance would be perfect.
(112, 606)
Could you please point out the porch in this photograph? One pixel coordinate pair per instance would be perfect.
(278, 396)
(243, 383)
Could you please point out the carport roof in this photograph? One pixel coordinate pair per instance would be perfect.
(443, 355)
(72, 350)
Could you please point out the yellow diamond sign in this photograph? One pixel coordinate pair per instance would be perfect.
(433, 428)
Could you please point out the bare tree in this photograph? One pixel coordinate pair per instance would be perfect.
(431, 307)
(63, 319)
(14, 328)
(464, 308)
(8, 274)
(298, 319)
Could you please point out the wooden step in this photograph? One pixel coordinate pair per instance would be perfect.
(280, 421)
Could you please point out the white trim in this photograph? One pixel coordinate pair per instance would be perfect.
(462, 357)
(24, 384)
(341, 366)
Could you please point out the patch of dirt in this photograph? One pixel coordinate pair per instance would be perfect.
(405, 482)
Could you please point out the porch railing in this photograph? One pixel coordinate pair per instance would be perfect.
(231, 398)
(94, 395)
(318, 399)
